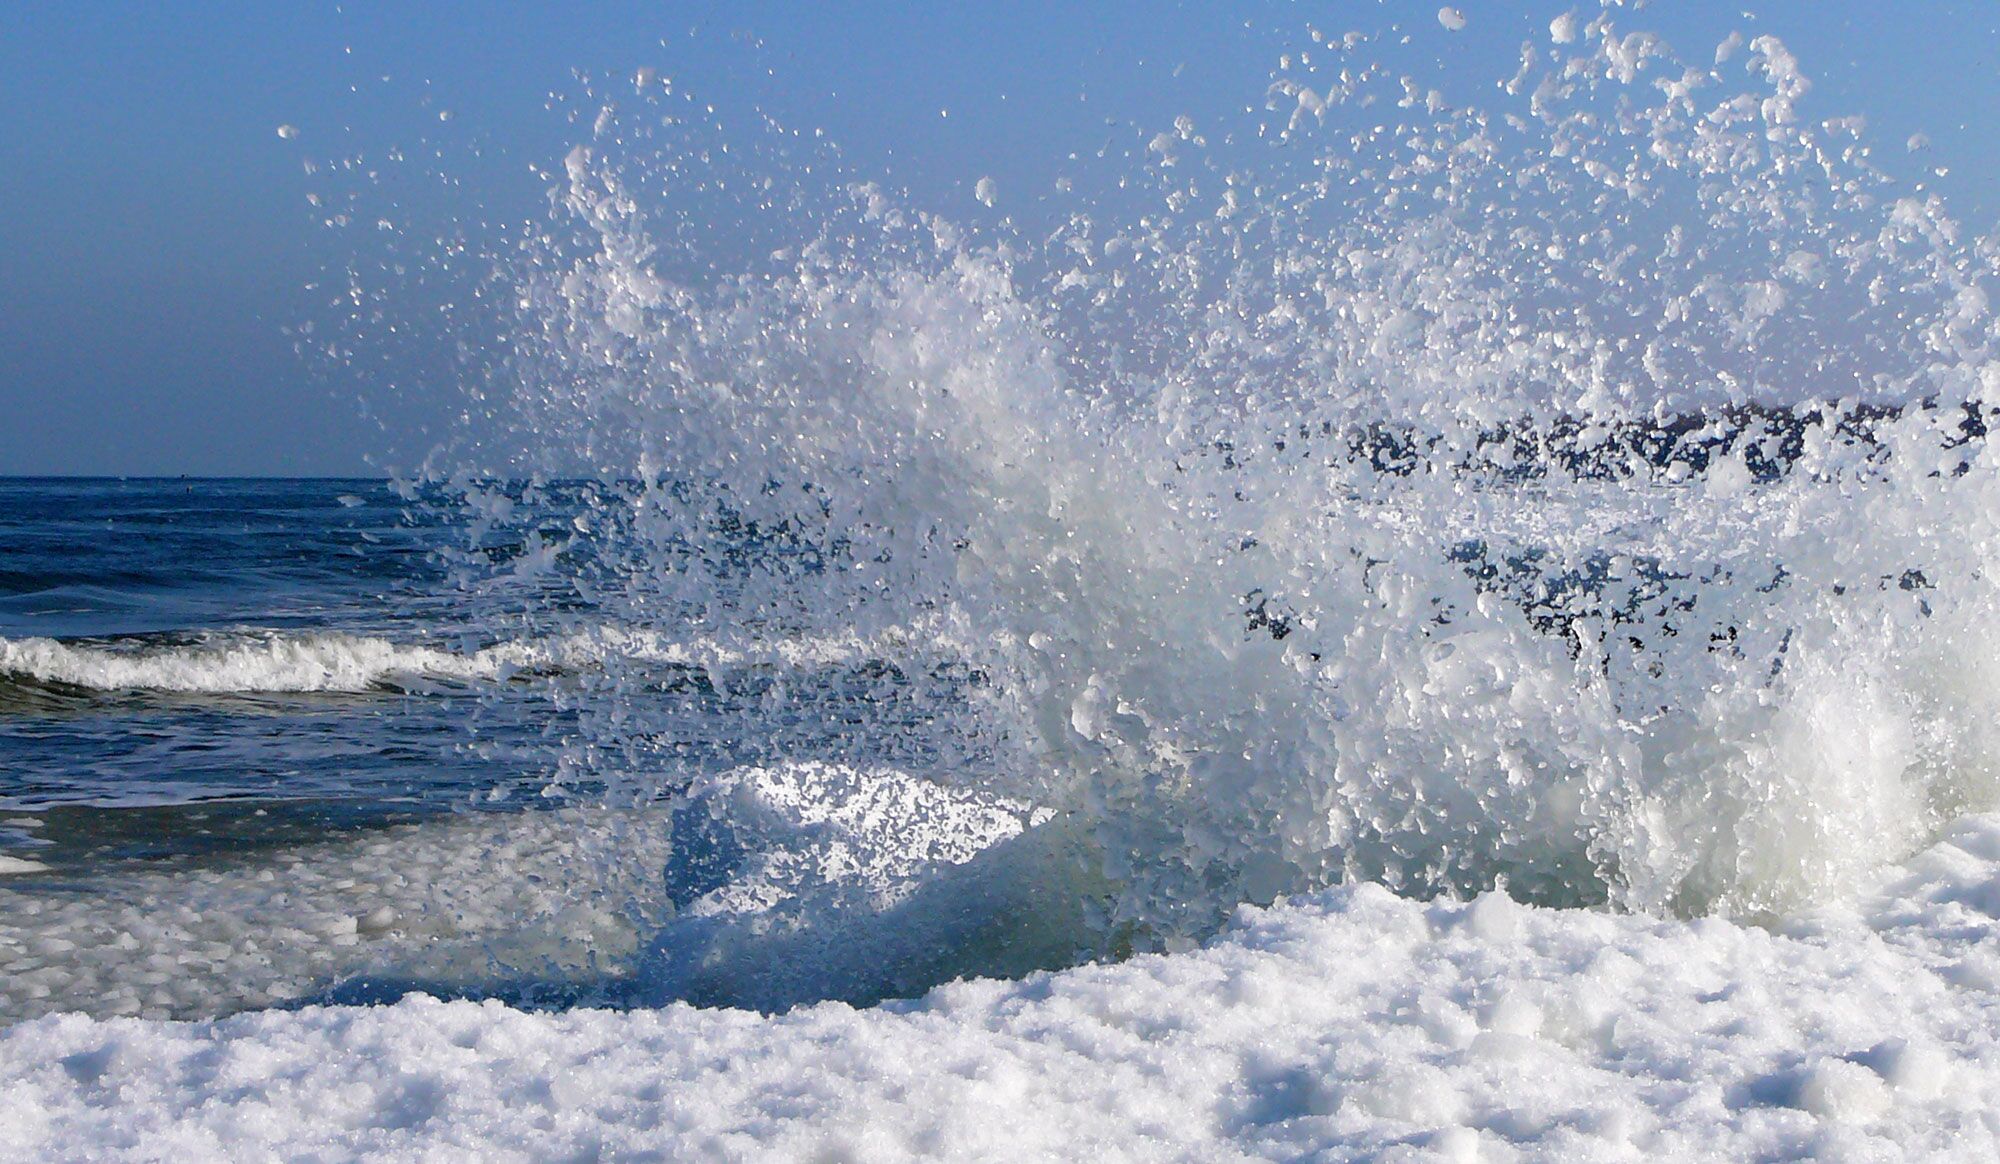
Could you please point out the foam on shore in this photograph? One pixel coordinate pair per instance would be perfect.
(1350, 1023)
(460, 900)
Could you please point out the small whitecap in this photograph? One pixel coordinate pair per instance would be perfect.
(1452, 19)
(288, 131)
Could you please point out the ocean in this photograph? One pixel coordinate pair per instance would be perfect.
(1449, 634)
(181, 642)
(209, 686)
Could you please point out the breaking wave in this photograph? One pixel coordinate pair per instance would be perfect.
(254, 662)
(1586, 495)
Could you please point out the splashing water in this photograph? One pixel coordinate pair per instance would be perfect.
(1585, 496)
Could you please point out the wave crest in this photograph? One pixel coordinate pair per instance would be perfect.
(271, 662)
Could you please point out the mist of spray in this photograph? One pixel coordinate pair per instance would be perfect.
(1583, 495)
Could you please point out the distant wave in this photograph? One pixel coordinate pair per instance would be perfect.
(262, 663)
(249, 662)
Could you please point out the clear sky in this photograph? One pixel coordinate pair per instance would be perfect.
(155, 242)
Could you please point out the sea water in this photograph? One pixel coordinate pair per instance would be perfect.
(1518, 541)
(244, 718)
(1585, 496)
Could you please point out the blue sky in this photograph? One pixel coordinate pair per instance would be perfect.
(155, 242)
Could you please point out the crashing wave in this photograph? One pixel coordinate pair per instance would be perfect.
(1585, 495)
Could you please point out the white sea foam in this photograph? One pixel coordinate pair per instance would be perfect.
(472, 897)
(281, 662)
(252, 663)
(1347, 1024)
(465, 899)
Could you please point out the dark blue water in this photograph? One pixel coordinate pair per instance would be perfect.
(158, 642)
(100, 558)
(349, 728)
(197, 665)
